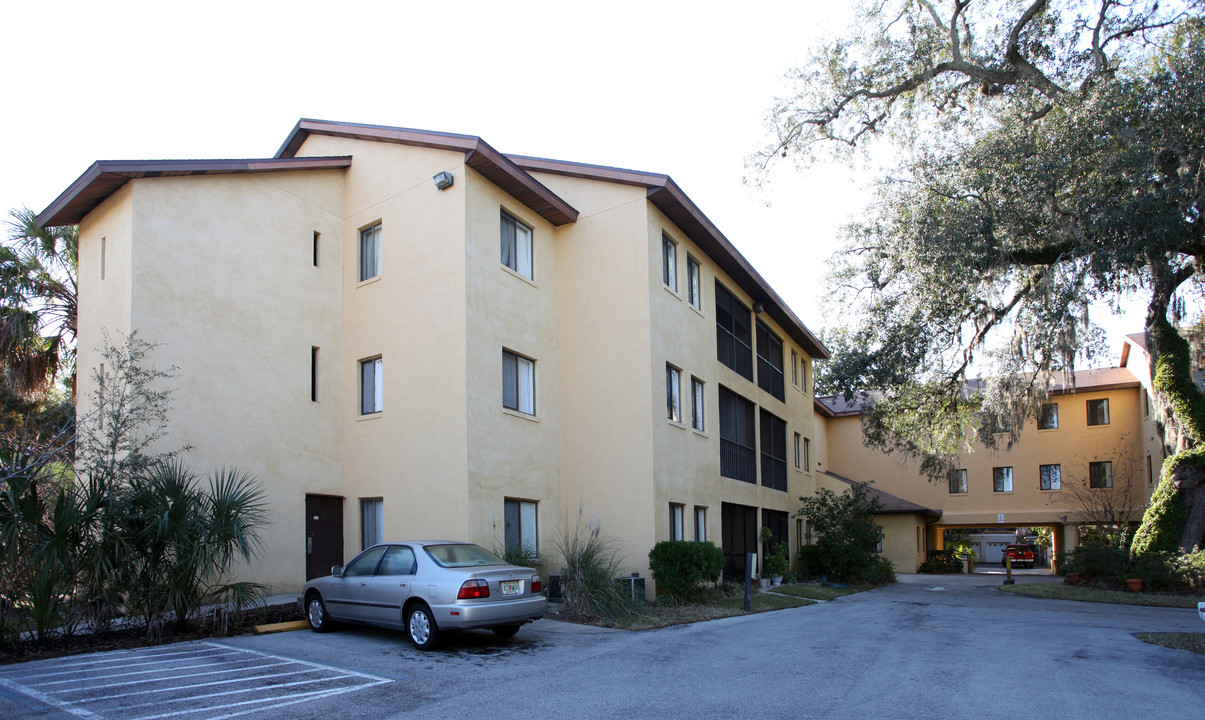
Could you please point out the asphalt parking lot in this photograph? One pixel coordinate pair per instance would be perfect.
(929, 646)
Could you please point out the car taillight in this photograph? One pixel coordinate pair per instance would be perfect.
(536, 585)
(473, 589)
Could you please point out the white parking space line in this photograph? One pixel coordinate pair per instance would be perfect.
(168, 682)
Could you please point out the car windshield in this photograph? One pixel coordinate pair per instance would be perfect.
(462, 555)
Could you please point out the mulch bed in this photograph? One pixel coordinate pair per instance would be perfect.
(136, 637)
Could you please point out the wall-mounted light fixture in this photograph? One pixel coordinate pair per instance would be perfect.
(759, 308)
(443, 180)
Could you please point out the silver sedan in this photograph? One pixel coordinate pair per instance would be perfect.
(425, 587)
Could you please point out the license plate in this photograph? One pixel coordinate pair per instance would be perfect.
(511, 587)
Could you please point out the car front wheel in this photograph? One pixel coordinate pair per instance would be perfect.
(315, 612)
(421, 628)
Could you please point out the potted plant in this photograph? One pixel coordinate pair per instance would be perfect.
(777, 564)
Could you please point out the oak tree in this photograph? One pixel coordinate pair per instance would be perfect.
(1049, 161)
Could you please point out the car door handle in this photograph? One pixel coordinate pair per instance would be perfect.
(401, 584)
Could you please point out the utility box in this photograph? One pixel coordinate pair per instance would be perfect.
(633, 586)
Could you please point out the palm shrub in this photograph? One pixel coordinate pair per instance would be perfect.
(46, 531)
(681, 567)
(186, 538)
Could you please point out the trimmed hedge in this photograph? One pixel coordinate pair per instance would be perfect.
(680, 566)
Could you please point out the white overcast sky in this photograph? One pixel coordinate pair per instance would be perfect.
(680, 88)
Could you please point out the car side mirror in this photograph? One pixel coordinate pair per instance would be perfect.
(336, 571)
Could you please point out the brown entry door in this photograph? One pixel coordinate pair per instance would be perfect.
(323, 534)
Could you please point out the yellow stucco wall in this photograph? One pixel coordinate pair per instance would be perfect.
(219, 270)
(1152, 453)
(220, 275)
(1072, 446)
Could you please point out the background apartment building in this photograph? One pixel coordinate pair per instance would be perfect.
(1093, 450)
(408, 334)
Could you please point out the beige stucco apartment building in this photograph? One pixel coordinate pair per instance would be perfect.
(1094, 450)
(408, 334)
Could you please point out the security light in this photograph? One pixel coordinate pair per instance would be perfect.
(443, 180)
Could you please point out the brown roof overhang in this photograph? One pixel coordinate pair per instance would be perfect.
(665, 194)
(822, 409)
(478, 154)
(106, 177)
(891, 504)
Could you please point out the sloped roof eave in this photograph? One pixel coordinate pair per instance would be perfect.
(665, 194)
(499, 169)
(105, 177)
(892, 504)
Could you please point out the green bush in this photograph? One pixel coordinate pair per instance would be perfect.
(942, 562)
(1188, 571)
(846, 533)
(881, 571)
(1157, 570)
(681, 566)
(1098, 561)
(809, 561)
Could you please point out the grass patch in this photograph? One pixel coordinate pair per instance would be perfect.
(761, 602)
(1192, 642)
(819, 592)
(1054, 591)
(719, 603)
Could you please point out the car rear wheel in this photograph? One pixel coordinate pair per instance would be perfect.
(421, 628)
(505, 631)
(315, 612)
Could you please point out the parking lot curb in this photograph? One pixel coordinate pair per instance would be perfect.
(280, 627)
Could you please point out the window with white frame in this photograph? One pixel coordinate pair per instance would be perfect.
(798, 451)
(1098, 412)
(1100, 475)
(1050, 477)
(372, 522)
(694, 283)
(522, 526)
(518, 383)
(669, 263)
(370, 252)
(795, 368)
(516, 246)
(1002, 479)
(700, 524)
(676, 531)
(807, 454)
(673, 393)
(958, 481)
(696, 404)
(371, 395)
